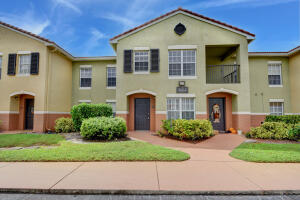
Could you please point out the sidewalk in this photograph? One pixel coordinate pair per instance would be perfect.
(207, 170)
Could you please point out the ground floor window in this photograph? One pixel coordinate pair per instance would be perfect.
(276, 108)
(181, 108)
(113, 105)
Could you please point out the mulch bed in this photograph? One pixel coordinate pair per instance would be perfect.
(269, 141)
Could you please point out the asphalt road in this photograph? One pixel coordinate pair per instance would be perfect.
(141, 197)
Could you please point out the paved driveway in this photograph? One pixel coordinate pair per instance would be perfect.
(210, 169)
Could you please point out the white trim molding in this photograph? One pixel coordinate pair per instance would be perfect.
(1, 54)
(292, 113)
(274, 62)
(111, 101)
(182, 77)
(85, 66)
(276, 100)
(221, 90)
(121, 112)
(160, 112)
(260, 113)
(9, 112)
(110, 65)
(241, 113)
(141, 48)
(182, 47)
(181, 95)
(141, 91)
(85, 101)
(21, 92)
(276, 86)
(111, 88)
(201, 113)
(23, 52)
(50, 112)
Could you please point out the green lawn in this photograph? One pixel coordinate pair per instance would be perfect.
(108, 151)
(26, 140)
(261, 152)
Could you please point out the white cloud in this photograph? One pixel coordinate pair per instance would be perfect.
(253, 3)
(71, 4)
(94, 40)
(27, 21)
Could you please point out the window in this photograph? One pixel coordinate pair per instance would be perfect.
(85, 76)
(274, 73)
(111, 77)
(180, 108)
(182, 63)
(0, 66)
(24, 67)
(276, 108)
(113, 105)
(141, 61)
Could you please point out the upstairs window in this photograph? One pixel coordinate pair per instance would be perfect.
(25, 62)
(274, 73)
(182, 63)
(111, 76)
(180, 108)
(85, 77)
(0, 67)
(276, 108)
(141, 61)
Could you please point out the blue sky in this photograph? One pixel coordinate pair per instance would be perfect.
(84, 27)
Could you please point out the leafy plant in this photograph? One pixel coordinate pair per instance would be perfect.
(295, 132)
(85, 111)
(288, 119)
(103, 128)
(188, 129)
(64, 125)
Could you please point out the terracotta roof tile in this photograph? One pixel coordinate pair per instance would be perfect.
(187, 11)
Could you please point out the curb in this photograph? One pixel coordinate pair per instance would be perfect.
(145, 192)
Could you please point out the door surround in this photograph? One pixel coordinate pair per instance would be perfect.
(131, 105)
(228, 107)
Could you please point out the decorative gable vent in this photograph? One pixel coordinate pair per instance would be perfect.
(179, 29)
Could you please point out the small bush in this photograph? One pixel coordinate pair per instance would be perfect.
(271, 130)
(188, 129)
(295, 133)
(103, 128)
(85, 111)
(288, 119)
(64, 125)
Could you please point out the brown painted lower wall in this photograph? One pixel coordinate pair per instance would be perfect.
(256, 120)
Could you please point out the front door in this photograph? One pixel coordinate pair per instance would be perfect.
(142, 114)
(29, 110)
(217, 113)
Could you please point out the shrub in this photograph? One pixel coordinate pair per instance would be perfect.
(103, 128)
(64, 125)
(188, 129)
(271, 130)
(295, 133)
(288, 119)
(85, 111)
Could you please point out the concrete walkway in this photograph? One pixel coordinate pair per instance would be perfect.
(209, 169)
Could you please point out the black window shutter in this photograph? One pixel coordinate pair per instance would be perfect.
(11, 68)
(34, 67)
(127, 61)
(154, 60)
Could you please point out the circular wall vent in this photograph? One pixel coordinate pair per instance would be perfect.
(179, 29)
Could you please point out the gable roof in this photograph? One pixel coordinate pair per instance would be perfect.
(279, 53)
(249, 35)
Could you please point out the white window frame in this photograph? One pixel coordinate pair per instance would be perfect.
(85, 101)
(23, 53)
(175, 48)
(112, 101)
(110, 66)
(82, 67)
(1, 66)
(276, 62)
(280, 101)
(180, 105)
(141, 72)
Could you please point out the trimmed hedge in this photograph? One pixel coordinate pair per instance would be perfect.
(103, 128)
(288, 119)
(64, 125)
(295, 132)
(85, 111)
(188, 129)
(272, 130)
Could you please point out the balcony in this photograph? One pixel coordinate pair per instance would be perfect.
(217, 74)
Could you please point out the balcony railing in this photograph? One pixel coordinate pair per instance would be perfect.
(223, 74)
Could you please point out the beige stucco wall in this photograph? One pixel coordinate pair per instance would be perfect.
(59, 88)
(260, 90)
(12, 42)
(98, 92)
(294, 73)
(161, 35)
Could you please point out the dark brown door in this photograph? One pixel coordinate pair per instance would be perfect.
(142, 114)
(217, 113)
(29, 114)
